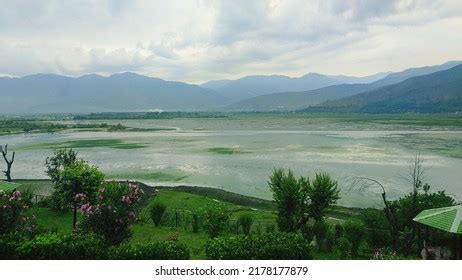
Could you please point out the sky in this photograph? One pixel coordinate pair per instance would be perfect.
(199, 40)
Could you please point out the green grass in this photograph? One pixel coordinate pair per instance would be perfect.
(176, 200)
(154, 176)
(147, 232)
(226, 151)
(85, 144)
(182, 199)
(51, 220)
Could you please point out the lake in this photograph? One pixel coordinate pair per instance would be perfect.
(239, 153)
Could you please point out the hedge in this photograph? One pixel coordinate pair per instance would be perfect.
(270, 246)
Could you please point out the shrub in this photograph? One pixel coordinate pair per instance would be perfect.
(245, 221)
(52, 246)
(354, 232)
(167, 250)
(195, 222)
(320, 229)
(12, 216)
(274, 246)
(343, 248)
(270, 228)
(216, 219)
(330, 239)
(8, 244)
(378, 234)
(112, 212)
(157, 210)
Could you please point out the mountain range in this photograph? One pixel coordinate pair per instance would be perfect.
(283, 101)
(439, 92)
(414, 90)
(251, 86)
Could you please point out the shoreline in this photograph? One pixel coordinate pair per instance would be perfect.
(337, 211)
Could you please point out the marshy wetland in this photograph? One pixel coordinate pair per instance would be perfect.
(238, 152)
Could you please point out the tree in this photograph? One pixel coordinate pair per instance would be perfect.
(9, 162)
(298, 200)
(77, 183)
(289, 195)
(323, 192)
(60, 159)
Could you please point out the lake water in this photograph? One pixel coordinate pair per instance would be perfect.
(239, 154)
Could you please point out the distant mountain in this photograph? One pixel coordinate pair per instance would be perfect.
(251, 86)
(283, 101)
(360, 80)
(439, 92)
(93, 93)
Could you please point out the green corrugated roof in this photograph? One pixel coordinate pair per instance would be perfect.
(8, 185)
(447, 218)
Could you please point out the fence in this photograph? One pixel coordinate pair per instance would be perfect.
(184, 219)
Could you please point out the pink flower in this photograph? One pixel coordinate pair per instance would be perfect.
(131, 215)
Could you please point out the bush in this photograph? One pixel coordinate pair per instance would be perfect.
(157, 210)
(12, 214)
(195, 222)
(245, 221)
(112, 212)
(378, 234)
(274, 246)
(330, 240)
(52, 246)
(167, 250)
(354, 232)
(8, 244)
(216, 219)
(320, 229)
(343, 248)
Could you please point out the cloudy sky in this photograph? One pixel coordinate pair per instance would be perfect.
(199, 40)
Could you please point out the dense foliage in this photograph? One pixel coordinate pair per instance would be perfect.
(56, 163)
(298, 200)
(55, 246)
(167, 250)
(215, 219)
(245, 220)
(354, 232)
(12, 212)
(273, 246)
(156, 210)
(112, 211)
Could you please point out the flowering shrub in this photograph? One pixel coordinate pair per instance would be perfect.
(274, 246)
(112, 212)
(167, 250)
(386, 254)
(12, 217)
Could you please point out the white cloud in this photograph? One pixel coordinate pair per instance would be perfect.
(196, 41)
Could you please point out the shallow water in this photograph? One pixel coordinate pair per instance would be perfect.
(239, 154)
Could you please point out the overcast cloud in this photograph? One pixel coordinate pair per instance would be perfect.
(196, 41)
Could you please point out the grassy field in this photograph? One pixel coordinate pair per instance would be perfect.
(179, 199)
